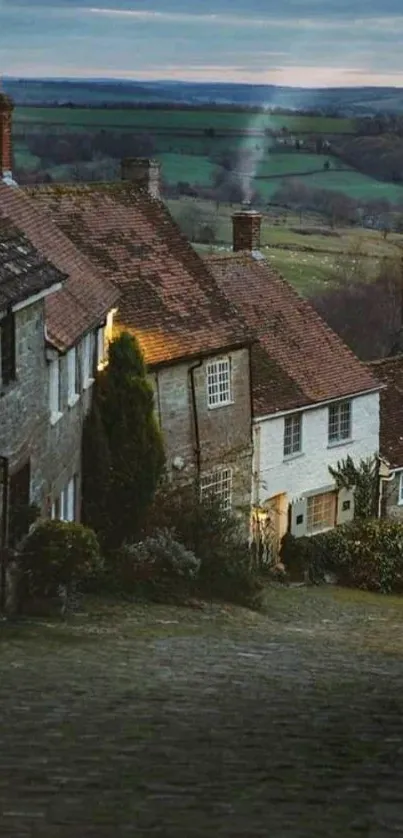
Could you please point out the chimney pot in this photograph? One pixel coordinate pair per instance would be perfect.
(246, 227)
(143, 172)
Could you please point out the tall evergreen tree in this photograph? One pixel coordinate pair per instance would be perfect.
(96, 472)
(135, 448)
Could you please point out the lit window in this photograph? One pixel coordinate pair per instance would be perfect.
(101, 354)
(55, 389)
(321, 512)
(73, 375)
(292, 434)
(339, 422)
(219, 383)
(218, 485)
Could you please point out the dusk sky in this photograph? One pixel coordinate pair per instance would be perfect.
(292, 42)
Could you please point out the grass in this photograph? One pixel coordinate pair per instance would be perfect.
(309, 262)
(180, 119)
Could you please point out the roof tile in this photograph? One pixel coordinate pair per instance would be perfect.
(169, 298)
(87, 295)
(300, 360)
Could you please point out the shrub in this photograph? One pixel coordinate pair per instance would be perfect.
(366, 554)
(159, 567)
(216, 538)
(56, 558)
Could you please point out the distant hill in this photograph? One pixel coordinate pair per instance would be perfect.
(346, 101)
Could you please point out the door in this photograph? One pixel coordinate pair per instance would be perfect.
(19, 504)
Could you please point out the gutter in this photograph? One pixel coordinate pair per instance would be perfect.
(197, 451)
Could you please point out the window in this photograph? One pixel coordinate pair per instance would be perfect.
(8, 355)
(87, 361)
(64, 505)
(400, 499)
(339, 422)
(218, 485)
(321, 512)
(219, 383)
(292, 434)
(73, 375)
(55, 389)
(101, 354)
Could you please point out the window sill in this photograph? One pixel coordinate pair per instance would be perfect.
(88, 383)
(340, 443)
(312, 533)
(221, 404)
(74, 399)
(287, 458)
(54, 417)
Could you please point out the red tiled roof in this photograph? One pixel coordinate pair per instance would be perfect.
(168, 296)
(86, 296)
(390, 372)
(298, 360)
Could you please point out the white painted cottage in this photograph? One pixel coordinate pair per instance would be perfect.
(314, 402)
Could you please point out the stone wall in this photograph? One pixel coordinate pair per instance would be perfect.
(224, 432)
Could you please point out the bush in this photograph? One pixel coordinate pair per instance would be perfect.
(366, 554)
(56, 558)
(216, 538)
(159, 567)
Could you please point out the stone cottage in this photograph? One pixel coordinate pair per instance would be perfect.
(55, 311)
(389, 372)
(196, 346)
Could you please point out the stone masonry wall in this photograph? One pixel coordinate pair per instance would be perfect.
(225, 432)
(25, 429)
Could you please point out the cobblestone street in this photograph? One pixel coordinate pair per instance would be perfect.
(174, 722)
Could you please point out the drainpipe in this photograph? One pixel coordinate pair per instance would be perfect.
(191, 371)
(4, 530)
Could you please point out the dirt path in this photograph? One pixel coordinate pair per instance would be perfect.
(134, 722)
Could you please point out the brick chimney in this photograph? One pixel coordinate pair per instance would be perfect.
(246, 226)
(143, 172)
(6, 163)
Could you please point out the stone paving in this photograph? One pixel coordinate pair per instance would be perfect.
(211, 723)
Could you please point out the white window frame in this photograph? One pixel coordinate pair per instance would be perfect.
(219, 383)
(102, 358)
(335, 411)
(321, 526)
(400, 489)
(217, 484)
(87, 366)
(66, 502)
(55, 369)
(72, 376)
(292, 435)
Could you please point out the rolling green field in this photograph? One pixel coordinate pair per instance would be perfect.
(310, 262)
(180, 120)
(189, 143)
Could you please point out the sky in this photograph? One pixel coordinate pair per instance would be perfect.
(306, 43)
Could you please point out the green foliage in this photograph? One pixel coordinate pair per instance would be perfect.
(366, 554)
(96, 471)
(159, 567)
(21, 519)
(57, 553)
(128, 447)
(364, 478)
(226, 569)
